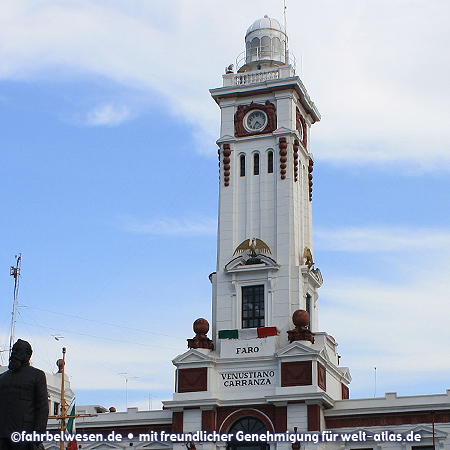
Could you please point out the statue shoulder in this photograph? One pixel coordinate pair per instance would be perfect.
(4, 374)
(37, 374)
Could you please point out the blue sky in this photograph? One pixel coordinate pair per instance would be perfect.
(109, 182)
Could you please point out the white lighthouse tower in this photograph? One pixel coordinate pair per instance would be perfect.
(266, 365)
(266, 188)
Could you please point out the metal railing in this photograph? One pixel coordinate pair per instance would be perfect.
(265, 54)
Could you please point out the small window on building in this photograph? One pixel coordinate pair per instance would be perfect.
(256, 164)
(308, 309)
(242, 165)
(56, 409)
(252, 306)
(270, 162)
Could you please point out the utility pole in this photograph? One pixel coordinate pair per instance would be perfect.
(14, 272)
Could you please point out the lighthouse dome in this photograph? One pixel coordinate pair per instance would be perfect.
(265, 41)
(266, 23)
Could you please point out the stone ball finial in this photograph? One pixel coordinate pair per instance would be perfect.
(201, 326)
(60, 364)
(300, 318)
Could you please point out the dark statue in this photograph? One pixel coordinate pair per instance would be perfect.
(23, 398)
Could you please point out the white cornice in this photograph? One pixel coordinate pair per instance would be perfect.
(270, 85)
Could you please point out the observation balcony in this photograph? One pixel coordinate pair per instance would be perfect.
(258, 75)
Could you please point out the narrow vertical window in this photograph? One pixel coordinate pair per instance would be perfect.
(270, 162)
(253, 306)
(256, 164)
(242, 165)
(308, 309)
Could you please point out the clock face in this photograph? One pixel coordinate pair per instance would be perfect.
(255, 120)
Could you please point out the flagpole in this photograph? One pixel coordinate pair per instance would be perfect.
(65, 414)
(63, 399)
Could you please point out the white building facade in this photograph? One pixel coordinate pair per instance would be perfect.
(266, 366)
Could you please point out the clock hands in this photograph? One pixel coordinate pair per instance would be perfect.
(255, 121)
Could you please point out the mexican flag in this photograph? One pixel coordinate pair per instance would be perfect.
(249, 333)
(72, 445)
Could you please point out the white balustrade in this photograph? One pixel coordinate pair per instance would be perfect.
(256, 77)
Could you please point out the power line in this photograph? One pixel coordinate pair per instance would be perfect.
(104, 323)
(101, 337)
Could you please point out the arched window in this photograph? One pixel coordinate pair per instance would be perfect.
(270, 161)
(265, 47)
(256, 164)
(248, 425)
(255, 49)
(242, 162)
(276, 45)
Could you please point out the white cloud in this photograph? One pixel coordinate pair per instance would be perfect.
(396, 323)
(376, 71)
(381, 239)
(199, 226)
(97, 363)
(387, 324)
(107, 115)
(392, 317)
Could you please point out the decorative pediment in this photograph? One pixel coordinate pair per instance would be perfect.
(156, 446)
(313, 275)
(427, 432)
(193, 356)
(345, 372)
(317, 275)
(282, 130)
(225, 138)
(104, 446)
(296, 349)
(52, 447)
(324, 354)
(240, 264)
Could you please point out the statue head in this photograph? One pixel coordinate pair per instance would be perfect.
(20, 355)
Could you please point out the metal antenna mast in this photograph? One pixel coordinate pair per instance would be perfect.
(14, 272)
(286, 46)
(375, 389)
(127, 377)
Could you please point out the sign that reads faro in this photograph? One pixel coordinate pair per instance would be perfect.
(251, 378)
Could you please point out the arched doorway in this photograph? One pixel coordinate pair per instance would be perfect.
(250, 425)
